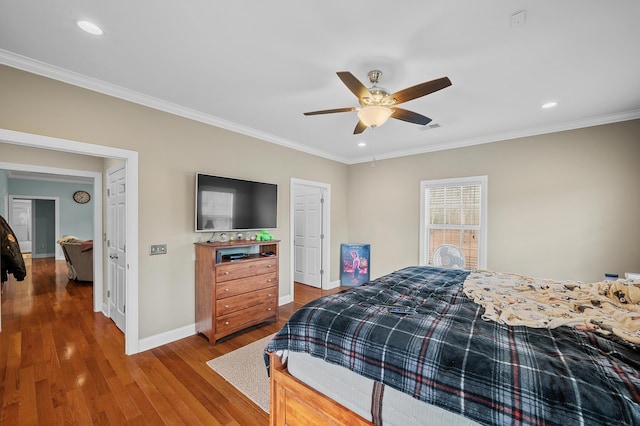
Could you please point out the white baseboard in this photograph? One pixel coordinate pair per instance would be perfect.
(332, 284)
(166, 337)
(188, 330)
(162, 338)
(178, 333)
(284, 300)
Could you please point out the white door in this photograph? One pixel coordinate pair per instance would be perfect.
(308, 236)
(116, 249)
(21, 223)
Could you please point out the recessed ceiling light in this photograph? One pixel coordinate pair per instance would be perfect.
(90, 27)
(549, 105)
(362, 144)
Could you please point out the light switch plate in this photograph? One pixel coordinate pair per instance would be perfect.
(158, 249)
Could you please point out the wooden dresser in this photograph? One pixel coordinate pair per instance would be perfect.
(236, 286)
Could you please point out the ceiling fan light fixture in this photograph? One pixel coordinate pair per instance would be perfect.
(90, 27)
(374, 115)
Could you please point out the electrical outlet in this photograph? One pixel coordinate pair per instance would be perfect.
(158, 249)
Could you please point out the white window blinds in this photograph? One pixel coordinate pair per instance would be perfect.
(452, 214)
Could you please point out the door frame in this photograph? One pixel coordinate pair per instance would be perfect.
(325, 279)
(130, 158)
(58, 250)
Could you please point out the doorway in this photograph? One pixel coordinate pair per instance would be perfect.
(21, 222)
(130, 158)
(310, 228)
(36, 222)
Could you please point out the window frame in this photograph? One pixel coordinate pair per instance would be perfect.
(482, 181)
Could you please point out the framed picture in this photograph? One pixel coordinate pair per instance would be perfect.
(354, 264)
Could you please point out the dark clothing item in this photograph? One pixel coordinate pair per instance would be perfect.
(12, 261)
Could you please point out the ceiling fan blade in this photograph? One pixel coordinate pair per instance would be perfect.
(421, 89)
(360, 127)
(409, 116)
(331, 111)
(353, 84)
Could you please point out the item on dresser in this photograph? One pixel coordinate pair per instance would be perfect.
(236, 286)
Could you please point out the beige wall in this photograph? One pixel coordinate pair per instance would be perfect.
(171, 149)
(563, 205)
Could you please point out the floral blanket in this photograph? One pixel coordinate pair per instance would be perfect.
(607, 307)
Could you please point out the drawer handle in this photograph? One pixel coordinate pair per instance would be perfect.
(227, 306)
(226, 323)
(269, 280)
(268, 309)
(269, 266)
(270, 294)
(226, 289)
(226, 273)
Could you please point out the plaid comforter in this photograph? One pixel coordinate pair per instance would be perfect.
(445, 354)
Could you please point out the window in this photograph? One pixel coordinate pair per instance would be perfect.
(453, 211)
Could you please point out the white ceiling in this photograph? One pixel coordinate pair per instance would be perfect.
(255, 67)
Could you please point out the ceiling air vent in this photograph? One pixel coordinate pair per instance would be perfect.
(430, 126)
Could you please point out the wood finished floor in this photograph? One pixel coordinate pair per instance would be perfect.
(63, 364)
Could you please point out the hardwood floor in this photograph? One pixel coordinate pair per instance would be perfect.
(61, 363)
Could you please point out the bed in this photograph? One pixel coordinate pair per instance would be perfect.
(468, 348)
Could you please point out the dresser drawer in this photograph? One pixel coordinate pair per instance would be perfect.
(265, 266)
(246, 285)
(235, 270)
(244, 301)
(238, 320)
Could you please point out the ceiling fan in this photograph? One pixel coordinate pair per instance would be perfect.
(378, 105)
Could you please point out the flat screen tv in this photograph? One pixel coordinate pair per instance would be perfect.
(229, 204)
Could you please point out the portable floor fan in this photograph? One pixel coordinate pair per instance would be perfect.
(448, 256)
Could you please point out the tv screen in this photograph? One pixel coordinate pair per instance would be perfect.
(228, 204)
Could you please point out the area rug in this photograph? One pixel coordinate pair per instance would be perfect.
(244, 368)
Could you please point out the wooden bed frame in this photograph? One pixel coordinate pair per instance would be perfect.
(294, 403)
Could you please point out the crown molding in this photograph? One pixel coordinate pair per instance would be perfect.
(46, 70)
(60, 74)
(505, 136)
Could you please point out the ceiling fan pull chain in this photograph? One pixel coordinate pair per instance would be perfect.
(373, 150)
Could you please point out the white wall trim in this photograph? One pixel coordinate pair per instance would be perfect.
(166, 337)
(285, 299)
(131, 161)
(79, 80)
(334, 284)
